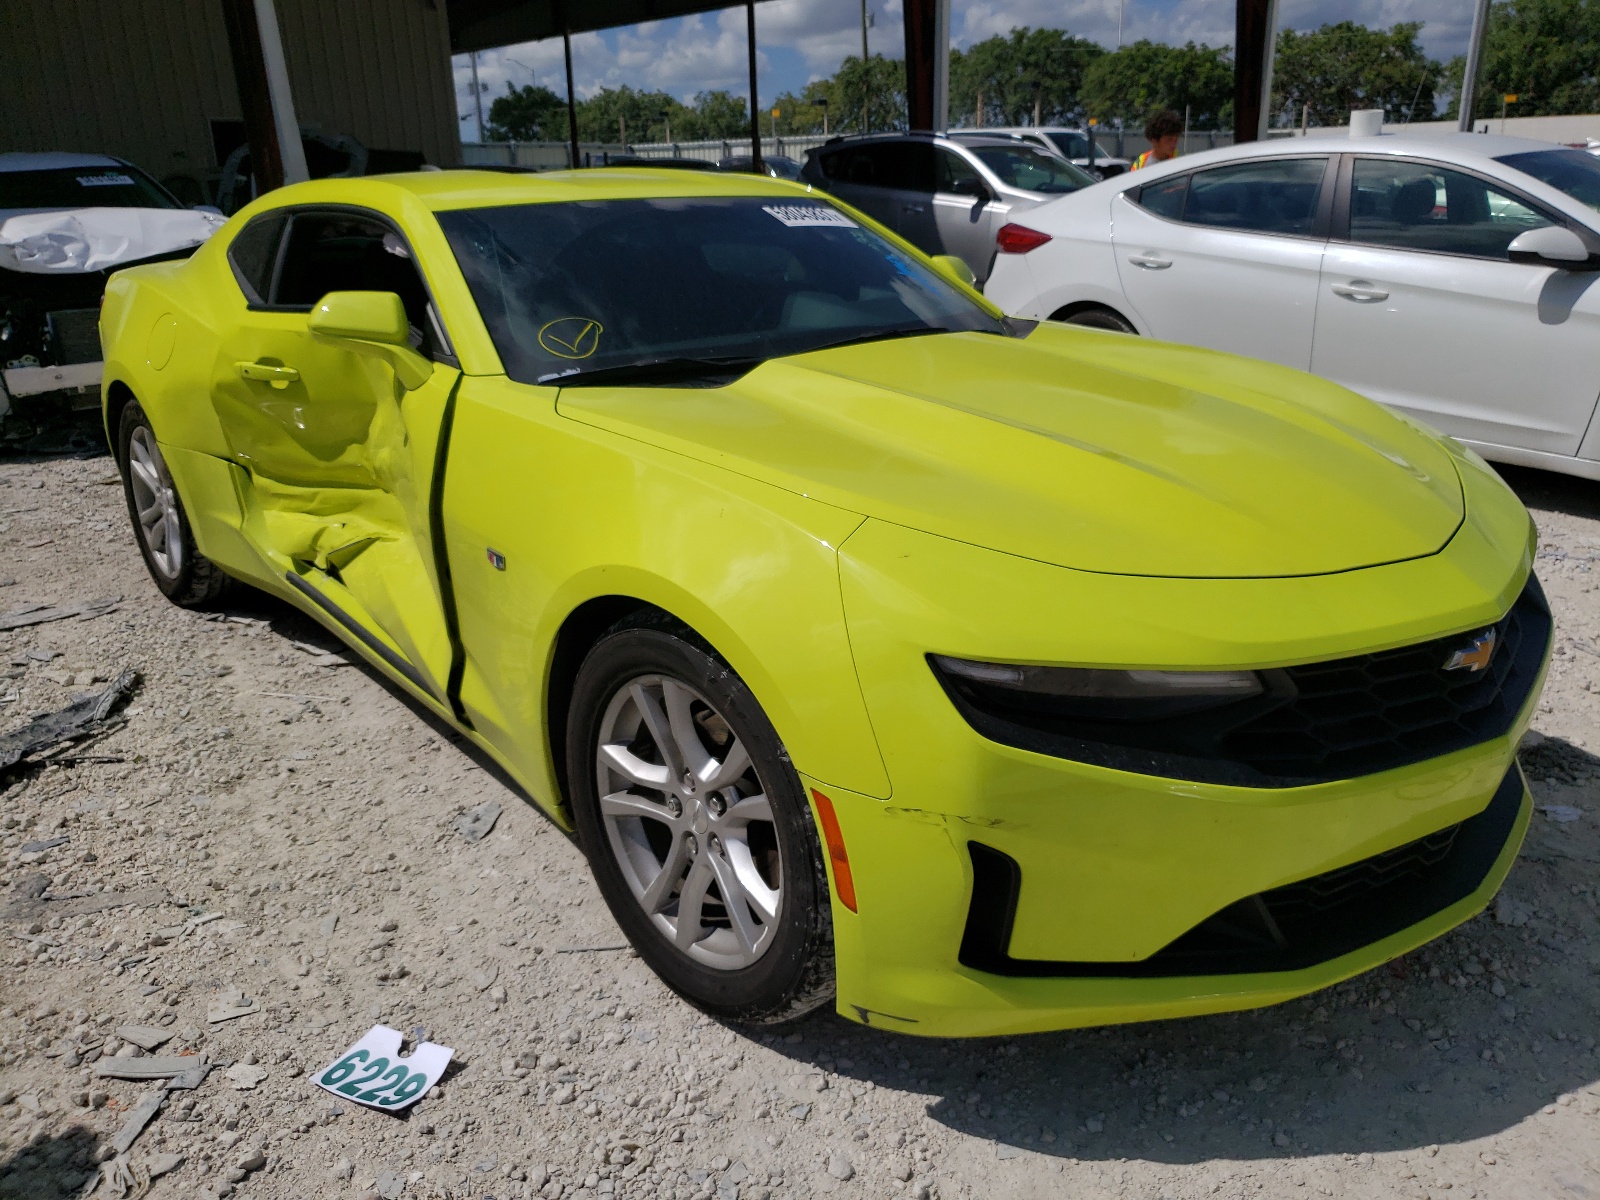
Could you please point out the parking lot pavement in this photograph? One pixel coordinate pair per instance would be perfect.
(272, 831)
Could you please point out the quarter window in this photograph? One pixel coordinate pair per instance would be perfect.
(1419, 206)
(1166, 198)
(253, 254)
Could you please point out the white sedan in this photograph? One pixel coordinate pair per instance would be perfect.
(1455, 277)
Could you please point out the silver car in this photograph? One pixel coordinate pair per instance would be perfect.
(942, 195)
(1072, 144)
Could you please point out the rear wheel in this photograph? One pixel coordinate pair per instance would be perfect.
(1100, 318)
(697, 828)
(184, 575)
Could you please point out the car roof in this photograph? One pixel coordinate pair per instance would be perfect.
(1468, 149)
(469, 188)
(54, 160)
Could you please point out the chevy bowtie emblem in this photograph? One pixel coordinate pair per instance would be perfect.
(1475, 655)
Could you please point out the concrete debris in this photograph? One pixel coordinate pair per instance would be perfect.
(139, 1116)
(84, 716)
(229, 1006)
(142, 1068)
(40, 614)
(162, 1164)
(476, 824)
(1512, 912)
(146, 1037)
(41, 847)
(245, 1076)
(1562, 814)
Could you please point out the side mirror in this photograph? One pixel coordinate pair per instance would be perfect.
(372, 323)
(1552, 246)
(955, 268)
(971, 186)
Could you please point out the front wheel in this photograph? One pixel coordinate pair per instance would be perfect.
(1100, 318)
(184, 575)
(697, 828)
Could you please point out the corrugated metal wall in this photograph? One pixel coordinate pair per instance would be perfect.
(143, 79)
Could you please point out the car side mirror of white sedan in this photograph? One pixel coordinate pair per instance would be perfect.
(1552, 246)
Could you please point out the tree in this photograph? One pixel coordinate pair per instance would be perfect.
(1337, 68)
(623, 114)
(1547, 52)
(527, 114)
(716, 114)
(1031, 76)
(859, 96)
(1139, 80)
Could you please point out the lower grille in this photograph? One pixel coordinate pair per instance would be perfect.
(73, 336)
(1289, 928)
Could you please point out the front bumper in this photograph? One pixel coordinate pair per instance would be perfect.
(1111, 869)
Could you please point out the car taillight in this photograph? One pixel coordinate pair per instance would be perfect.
(1019, 239)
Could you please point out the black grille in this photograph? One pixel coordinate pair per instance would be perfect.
(1289, 928)
(1315, 722)
(74, 335)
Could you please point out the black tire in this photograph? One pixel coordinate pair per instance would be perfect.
(794, 974)
(1100, 318)
(189, 580)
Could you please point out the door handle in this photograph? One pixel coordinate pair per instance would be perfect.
(1150, 262)
(915, 208)
(278, 377)
(1360, 291)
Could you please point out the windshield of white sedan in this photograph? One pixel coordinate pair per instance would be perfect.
(1572, 171)
(586, 287)
(81, 187)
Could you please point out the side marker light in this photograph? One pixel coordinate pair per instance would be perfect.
(843, 882)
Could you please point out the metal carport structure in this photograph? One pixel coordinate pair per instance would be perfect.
(483, 24)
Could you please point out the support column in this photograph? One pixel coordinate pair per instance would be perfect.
(1469, 78)
(755, 111)
(921, 23)
(1255, 38)
(255, 96)
(572, 103)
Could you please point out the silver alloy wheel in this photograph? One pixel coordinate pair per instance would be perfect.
(689, 823)
(156, 503)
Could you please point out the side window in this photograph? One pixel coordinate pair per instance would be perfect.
(1418, 206)
(1275, 196)
(340, 252)
(906, 166)
(956, 174)
(252, 255)
(1165, 198)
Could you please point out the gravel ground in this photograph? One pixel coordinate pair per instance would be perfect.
(280, 831)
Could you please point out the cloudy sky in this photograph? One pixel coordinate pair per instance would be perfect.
(801, 40)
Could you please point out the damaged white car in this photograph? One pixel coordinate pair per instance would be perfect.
(66, 222)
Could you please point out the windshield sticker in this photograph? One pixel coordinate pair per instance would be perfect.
(571, 337)
(796, 215)
(111, 180)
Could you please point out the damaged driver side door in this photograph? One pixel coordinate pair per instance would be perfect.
(339, 447)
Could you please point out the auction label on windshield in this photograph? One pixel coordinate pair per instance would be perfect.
(794, 215)
(372, 1072)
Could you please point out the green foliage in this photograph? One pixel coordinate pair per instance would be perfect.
(527, 114)
(1032, 76)
(1139, 80)
(1347, 66)
(1546, 52)
(715, 115)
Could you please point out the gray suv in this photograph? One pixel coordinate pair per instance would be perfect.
(943, 196)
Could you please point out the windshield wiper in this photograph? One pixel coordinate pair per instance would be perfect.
(680, 372)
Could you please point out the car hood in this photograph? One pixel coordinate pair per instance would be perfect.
(1090, 450)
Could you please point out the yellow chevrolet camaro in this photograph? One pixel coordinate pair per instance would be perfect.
(976, 676)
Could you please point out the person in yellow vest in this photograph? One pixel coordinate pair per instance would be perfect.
(1162, 131)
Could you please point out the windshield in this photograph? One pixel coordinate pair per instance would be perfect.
(1032, 169)
(1076, 145)
(598, 284)
(1571, 171)
(82, 187)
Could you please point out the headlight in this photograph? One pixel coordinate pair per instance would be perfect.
(1095, 695)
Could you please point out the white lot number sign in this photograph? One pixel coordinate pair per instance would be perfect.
(372, 1072)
